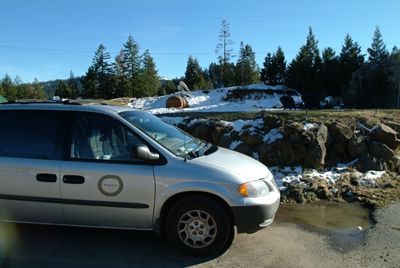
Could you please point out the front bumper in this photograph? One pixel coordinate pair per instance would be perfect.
(249, 219)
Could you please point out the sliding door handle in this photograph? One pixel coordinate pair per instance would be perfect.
(73, 179)
(45, 177)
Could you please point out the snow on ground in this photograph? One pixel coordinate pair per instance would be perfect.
(369, 179)
(213, 101)
(296, 175)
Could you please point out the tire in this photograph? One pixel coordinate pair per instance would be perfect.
(199, 226)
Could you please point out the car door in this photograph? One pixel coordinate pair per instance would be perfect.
(101, 184)
(31, 144)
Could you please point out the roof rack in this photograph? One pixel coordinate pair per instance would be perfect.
(65, 102)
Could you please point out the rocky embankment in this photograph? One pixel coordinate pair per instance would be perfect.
(328, 144)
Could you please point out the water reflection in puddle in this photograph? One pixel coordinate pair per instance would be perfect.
(345, 224)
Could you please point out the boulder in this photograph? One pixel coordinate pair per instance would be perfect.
(278, 153)
(216, 134)
(300, 152)
(269, 119)
(317, 150)
(368, 162)
(253, 140)
(356, 146)
(202, 132)
(244, 149)
(380, 151)
(293, 128)
(339, 136)
(340, 132)
(395, 126)
(224, 141)
(388, 136)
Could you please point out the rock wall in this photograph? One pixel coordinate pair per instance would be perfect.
(312, 145)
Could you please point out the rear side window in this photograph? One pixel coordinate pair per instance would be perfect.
(31, 134)
(100, 137)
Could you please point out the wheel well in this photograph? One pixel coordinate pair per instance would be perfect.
(173, 199)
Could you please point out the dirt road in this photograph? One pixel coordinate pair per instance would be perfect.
(281, 245)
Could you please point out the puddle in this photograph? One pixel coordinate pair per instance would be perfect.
(344, 224)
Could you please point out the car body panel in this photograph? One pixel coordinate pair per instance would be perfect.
(104, 200)
(22, 197)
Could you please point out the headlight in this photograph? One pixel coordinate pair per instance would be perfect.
(254, 189)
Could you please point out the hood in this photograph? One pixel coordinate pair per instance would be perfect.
(242, 165)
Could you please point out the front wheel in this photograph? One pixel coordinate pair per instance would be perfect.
(199, 226)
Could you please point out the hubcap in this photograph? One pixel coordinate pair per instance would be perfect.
(197, 229)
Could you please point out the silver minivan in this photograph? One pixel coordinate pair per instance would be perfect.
(114, 167)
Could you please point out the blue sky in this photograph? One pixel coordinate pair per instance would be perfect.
(47, 39)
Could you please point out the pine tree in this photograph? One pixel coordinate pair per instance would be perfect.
(100, 61)
(168, 87)
(214, 75)
(131, 65)
(103, 72)
(98, 82)
(62, 90)
(377, 52)
(274, 68)
(38, 91)
(266, 75)
(225, 53)
(328, 73)
(303, 70)
(9, 89)
(72, 85)
(280, 65)
(122, 80)
(394, 78)
(247, 71)
(90, 84)
(194, 77)
(149, 76)
(350, 60)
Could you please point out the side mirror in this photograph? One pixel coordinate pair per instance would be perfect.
(141, 151)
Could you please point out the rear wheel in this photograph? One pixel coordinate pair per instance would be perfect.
(199, 226)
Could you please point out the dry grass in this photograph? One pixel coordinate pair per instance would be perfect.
(369, 117)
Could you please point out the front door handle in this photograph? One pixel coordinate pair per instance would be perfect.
(73, 179)
(44, 177)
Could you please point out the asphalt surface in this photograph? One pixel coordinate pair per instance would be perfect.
(280, 245)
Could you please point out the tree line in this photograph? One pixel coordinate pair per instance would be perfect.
(360, 81)
(14, 89)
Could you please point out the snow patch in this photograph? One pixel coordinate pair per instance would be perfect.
(234, 144)
(308, 126)
(369, 179)
(272, 136)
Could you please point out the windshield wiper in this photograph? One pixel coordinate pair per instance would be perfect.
(203, 149)
(197, 152)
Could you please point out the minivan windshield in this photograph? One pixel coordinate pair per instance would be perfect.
(173, 139)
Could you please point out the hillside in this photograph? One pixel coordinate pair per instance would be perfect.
(249, 98)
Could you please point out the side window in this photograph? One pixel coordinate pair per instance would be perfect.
(31, 134)
(100, 137)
